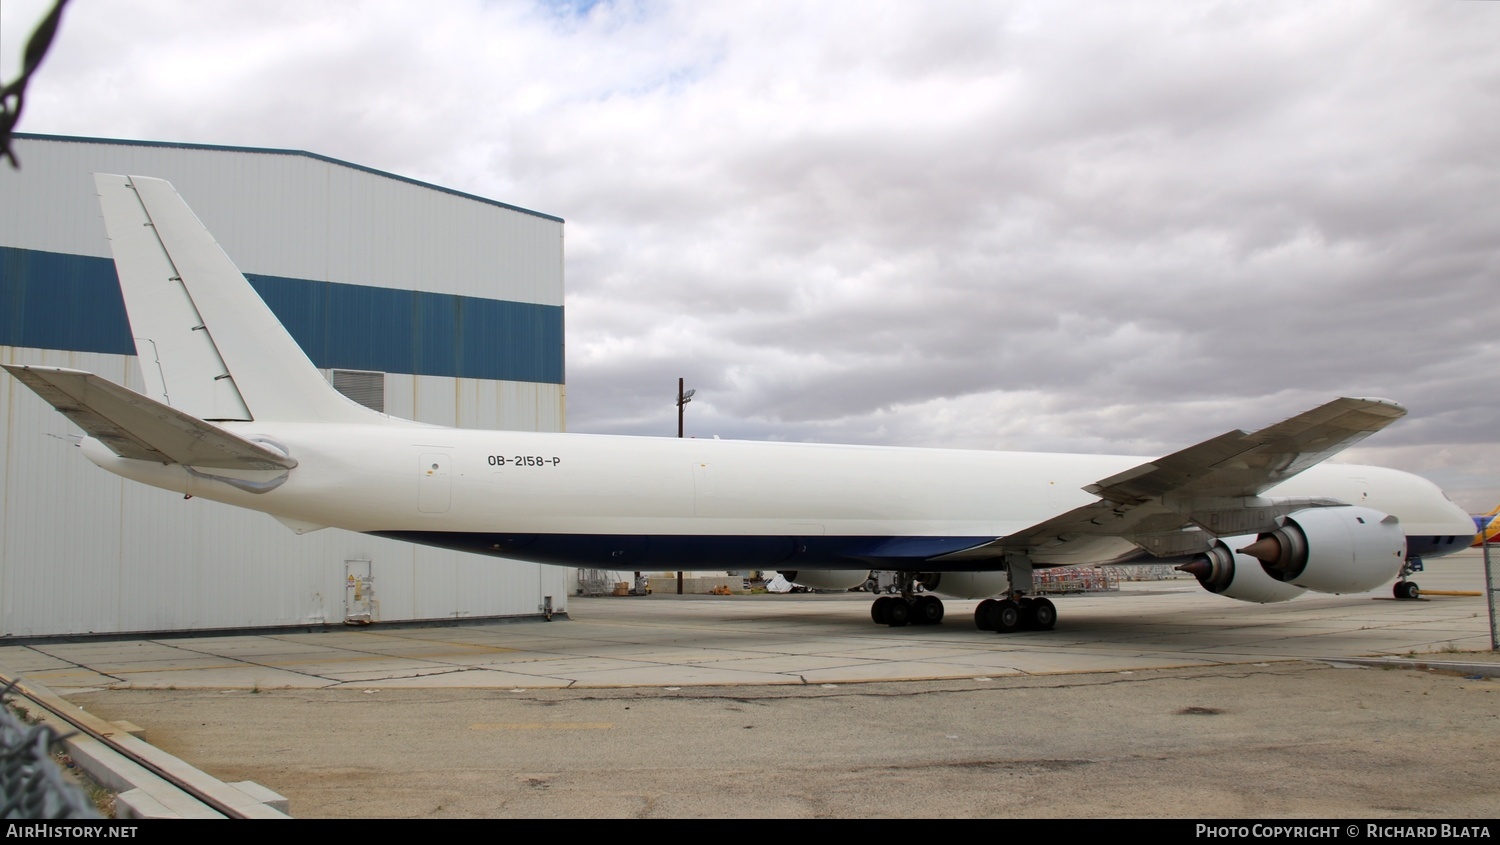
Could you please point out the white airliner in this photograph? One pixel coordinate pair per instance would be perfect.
(235, 412)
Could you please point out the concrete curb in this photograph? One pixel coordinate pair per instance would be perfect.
(140, 792)
(1483, 670)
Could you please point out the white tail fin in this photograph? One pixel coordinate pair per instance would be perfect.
(208, 344)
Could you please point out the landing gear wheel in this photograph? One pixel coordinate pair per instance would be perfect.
(927, 610)
(880, 611)
(982, 615)
(898, 612)
(1005, 616)
(1028, 613)
(1406, 590)
(1043, 615)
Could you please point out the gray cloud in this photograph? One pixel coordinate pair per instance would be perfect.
(1085, 226)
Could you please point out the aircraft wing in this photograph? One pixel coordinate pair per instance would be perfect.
(1177, 504)
(138, 427)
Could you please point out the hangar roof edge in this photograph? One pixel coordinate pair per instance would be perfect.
(78, 139)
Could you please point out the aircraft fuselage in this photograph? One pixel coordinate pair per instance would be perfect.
(642, 502)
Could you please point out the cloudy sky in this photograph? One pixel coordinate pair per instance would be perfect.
(1074, 226)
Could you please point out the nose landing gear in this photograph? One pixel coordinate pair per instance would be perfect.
(1404, 589)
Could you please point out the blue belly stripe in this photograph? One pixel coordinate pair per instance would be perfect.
(705, 552)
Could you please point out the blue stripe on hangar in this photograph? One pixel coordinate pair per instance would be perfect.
(55, 301)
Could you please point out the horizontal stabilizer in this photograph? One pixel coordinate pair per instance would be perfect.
(137, 427)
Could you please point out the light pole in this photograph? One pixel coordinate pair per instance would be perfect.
(683, 397)
(1491, 589)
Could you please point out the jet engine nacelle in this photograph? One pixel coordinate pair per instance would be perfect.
(1333, 550)
(1223, 571)
(966, 585)
(827, 579)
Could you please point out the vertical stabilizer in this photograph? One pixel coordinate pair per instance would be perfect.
(208, 344)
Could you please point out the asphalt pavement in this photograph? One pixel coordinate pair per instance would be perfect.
(1156, 700)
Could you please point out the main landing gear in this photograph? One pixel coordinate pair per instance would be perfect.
(1015, 612)
(1008, 615)
(1005, 616)
(907, 608)
(1404, 589)
(896, 611)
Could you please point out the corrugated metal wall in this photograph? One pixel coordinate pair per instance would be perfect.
(82, 551)
(296, 216)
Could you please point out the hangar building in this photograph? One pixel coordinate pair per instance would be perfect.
(423, 302)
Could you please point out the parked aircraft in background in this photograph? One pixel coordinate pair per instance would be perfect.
(235, 412)
(1486, 527)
